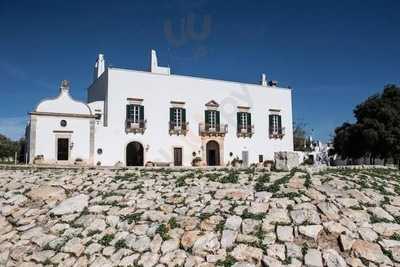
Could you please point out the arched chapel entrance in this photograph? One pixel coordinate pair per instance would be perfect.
(134, 154)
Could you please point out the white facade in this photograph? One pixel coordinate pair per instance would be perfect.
(104, 140)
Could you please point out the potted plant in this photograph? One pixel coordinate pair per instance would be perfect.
(39, 159)
(268, 164)
(196, 161)
(79, 161)
(236, 162)
(149, 164)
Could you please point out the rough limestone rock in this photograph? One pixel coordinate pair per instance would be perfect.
(285, 161)
(233, 223)
(189, 217)
(246, 253)
(47, 193)
(333, 259)
(346, 242)
(313, 258)
(285, 233)
(386, 229)
(169, 245)
(278, 216)
(311, 231)
(276, 251)
(207, 243)
(302, 216)
(74, 246)
(369, 251)
(228, 238)
(74, 204)
(189, 238)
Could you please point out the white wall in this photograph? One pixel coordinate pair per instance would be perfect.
(46, 137)
(158, 90)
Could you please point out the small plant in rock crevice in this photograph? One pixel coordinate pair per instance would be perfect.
(162, 230)
(261, 183)
(133, 217)
(173, 223)
(248, 215)
(227, 262)
(106, 240)
(120, 244)
(231, 177)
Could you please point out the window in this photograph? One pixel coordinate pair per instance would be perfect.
(275, 124)
(260, 158)
(63, 123)
(213, 119)
(177, 117)
(243, 120)
(135, 121)
(134, 113)
(212, 122)
(97, 116)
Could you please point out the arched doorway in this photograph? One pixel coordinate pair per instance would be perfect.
(134, 154)
(212, 153)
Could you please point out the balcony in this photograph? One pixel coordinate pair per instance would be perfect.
(135, 127)
(178, 130)
(206, 129)
(277, 134)
(246, 131)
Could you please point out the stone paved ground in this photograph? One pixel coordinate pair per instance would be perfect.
(199, 218)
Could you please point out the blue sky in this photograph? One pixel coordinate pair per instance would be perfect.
(333, 53)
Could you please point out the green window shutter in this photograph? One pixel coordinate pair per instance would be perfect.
(279, 124)
(207, 116)
(239, 120)
(217, 120)
(171, 115)
(141, 113)
(270, 123)
(184, 116)
(249, 119)
(129, 111)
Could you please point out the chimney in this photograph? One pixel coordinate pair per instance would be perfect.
(99, 67)
(264, 81)
(153, 61)
(273, 83)
(154, 68)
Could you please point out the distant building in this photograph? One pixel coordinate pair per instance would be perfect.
(137, 117)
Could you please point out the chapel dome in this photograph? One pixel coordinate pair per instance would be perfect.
(64, 103)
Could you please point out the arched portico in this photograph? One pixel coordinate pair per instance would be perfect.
(213, 153)
(134, 154)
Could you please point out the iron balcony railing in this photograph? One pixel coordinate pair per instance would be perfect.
(279, 133)
(245, 130)
(138, 126)
(178, 129)
(213, 129)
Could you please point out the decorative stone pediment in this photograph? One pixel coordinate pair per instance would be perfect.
(63, 103)
(212, 103)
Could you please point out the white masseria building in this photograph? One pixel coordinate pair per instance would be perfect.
(134, 118)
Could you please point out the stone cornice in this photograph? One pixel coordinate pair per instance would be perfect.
(71, 115)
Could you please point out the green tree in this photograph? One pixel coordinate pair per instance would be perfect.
(8, 148)
(300, 141)
(376, 132)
